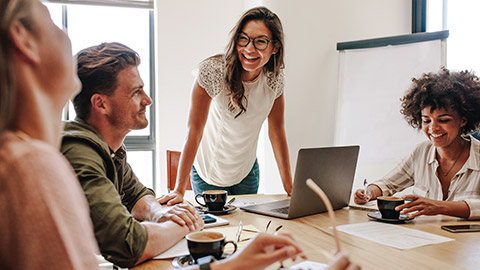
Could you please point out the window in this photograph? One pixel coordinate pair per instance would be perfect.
(461, 19)
(112, 21)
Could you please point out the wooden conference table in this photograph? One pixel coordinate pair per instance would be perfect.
(313, 233)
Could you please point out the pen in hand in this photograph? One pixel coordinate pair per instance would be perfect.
(365, 185)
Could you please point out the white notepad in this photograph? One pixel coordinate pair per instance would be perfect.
(220, 221)
(392, 235)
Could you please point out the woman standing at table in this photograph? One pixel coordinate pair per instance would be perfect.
(445, 170)
(232, 96)
(45, 221)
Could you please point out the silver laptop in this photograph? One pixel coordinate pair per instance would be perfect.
(332, 168)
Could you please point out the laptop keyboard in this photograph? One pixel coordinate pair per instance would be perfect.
(283, 210)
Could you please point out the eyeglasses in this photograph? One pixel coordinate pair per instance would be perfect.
(260, 43)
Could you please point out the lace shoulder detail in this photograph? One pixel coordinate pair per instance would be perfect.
(276, 83)
(210, 75)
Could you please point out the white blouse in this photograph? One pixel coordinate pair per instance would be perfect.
(227, 151)
(419, 170)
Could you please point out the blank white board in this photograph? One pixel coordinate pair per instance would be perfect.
(371, 83)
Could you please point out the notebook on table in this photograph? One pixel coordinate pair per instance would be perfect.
(332, 169)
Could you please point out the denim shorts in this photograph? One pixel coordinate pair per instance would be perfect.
(249, 184)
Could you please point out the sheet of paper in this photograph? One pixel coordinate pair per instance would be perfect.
(241, 201)
(181, 248)
(307, 265)
(220, 221)
(230, 233)
(371, 205)
(392, 235)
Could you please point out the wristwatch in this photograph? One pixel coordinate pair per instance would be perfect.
(205, 262)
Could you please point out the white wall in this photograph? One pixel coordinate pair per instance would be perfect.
(189, 31)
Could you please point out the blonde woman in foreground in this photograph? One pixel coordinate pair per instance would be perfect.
(45, 220)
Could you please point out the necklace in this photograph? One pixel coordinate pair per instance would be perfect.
(455, 162)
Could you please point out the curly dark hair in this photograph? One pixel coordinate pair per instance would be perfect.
(456, 90)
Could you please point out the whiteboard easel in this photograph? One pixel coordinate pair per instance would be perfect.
(371, 83)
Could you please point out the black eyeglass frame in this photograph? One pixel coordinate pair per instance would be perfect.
(253, 40)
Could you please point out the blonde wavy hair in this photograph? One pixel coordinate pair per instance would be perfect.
(10, 11)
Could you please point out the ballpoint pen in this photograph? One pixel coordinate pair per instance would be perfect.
(365, 185)
(246, 230)
(268, 225)
(239, 232)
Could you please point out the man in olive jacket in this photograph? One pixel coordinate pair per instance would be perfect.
(130, 225)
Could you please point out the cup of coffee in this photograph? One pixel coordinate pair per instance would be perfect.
(387, 205)
(205, 243)
(214, 199)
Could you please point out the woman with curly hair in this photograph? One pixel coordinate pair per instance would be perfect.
(445, 170)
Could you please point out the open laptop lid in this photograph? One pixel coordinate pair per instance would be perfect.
(332, 169)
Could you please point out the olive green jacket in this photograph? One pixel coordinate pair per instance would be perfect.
(111, 188)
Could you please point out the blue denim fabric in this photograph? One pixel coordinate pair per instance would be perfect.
(249, 184)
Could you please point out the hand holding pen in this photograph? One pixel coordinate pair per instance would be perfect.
(367, 193)
(365, 185)
(362, 196)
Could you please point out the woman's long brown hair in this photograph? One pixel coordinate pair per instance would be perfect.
(233, 67)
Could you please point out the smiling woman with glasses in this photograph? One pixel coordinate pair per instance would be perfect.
(236, 91)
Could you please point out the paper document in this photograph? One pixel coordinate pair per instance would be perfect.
(230, 233)
(370, 205)
(392, 235)
(219, 221)
(241, 201)
(181, 248)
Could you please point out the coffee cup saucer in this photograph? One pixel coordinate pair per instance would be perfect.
(227, 209)
(378, 216)
(184, 261)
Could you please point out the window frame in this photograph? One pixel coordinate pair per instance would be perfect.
(419, 16)
(146, 4)
(145, 143)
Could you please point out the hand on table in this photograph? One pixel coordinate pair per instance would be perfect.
(288, 188)
(182, 214)
(171, 198)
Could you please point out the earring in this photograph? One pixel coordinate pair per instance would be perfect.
(275, 64)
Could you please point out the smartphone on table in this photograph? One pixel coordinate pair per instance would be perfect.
(208, 219)
(462, 228)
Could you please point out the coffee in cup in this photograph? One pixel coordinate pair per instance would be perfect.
(387, 204)
(214, 199)
(205, 243)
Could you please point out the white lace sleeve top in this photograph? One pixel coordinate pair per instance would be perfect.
(228, 147)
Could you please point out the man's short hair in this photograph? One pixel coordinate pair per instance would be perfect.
(98, 67)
